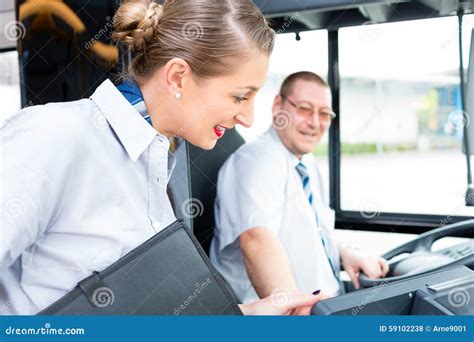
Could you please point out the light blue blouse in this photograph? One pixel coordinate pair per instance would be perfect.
(83, 183)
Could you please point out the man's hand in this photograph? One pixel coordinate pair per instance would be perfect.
(355, 261)
(291, 303)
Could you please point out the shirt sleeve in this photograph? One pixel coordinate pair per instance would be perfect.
(37, 161)
(250, 193)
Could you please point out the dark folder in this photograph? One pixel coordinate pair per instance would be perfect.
(169, 274)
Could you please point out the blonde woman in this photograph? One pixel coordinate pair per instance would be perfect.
(84, 182)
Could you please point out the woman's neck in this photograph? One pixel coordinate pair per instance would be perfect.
(158, 108)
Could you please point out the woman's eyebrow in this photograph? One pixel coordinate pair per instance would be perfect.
(251, 88)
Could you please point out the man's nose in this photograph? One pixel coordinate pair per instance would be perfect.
(314, 120)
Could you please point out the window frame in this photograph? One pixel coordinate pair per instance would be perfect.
(354, 220)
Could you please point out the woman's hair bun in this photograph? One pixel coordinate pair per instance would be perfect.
(135, 23)
(212, 36)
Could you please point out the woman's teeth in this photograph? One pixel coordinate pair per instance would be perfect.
(219, 130)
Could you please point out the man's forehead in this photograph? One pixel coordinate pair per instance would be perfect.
(309, 91)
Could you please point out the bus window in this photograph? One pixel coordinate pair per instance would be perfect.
(468, 25)
(310, 53)
(9, 83)
(401, 123)
(307, 51)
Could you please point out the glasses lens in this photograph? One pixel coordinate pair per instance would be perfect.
(305, 109)
(326, 116)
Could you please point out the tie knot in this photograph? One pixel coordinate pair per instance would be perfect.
(302, 170)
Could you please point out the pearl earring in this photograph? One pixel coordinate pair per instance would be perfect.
(178, 95)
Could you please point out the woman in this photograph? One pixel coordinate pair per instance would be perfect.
(85, 182)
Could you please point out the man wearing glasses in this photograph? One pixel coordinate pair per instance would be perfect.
(273, 221)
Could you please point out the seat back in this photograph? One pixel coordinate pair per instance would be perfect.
(204, 168)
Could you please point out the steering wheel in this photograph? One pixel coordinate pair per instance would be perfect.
(416, 257)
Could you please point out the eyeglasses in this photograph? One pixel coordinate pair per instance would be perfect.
(306, 109)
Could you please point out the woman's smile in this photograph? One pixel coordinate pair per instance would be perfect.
(219, 130)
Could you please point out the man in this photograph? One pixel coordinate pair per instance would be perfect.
(273, 221)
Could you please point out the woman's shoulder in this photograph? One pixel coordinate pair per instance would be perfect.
(51, 118)
(53, 129)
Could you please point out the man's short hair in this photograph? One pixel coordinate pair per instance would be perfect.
(287, 86)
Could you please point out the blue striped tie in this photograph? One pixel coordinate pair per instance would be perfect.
(331, 251)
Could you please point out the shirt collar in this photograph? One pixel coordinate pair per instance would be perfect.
(292, 158)
(133, 131)
(131, 91)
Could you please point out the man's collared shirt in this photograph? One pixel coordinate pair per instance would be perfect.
(259, 186)
(83, 183)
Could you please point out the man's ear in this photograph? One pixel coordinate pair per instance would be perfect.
(276, 104)
(177, 74)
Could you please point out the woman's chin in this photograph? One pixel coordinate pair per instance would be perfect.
(204, 143)
(208, 145)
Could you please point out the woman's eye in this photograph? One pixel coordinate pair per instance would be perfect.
(240, 99)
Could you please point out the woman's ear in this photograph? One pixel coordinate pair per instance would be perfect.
(177, 73)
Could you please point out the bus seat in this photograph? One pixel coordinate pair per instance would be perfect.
(204, 168)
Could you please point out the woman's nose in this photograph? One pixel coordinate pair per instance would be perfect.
(246, 118)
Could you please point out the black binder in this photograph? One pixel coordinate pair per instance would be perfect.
(169, 274)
